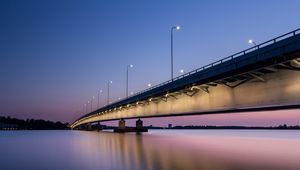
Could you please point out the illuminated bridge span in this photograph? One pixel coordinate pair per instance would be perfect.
(264, 77)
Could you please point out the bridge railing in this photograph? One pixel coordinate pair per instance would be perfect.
(233, 56)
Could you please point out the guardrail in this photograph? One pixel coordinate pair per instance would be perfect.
(272, 41)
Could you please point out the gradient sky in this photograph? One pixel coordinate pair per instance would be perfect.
(55, 54)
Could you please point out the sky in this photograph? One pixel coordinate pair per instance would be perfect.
(56, 54)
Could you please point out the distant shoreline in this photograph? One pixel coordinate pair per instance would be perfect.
(8, 123)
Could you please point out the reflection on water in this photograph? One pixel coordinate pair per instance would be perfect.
(158, 149)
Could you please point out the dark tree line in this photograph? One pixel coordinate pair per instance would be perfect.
(32, 124)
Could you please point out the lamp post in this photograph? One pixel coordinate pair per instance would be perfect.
(84, 108)
(172, 28)
(108, 84)
(87, 106)
(92, 103)
(252, 42)
(98, 103)
(127, 70)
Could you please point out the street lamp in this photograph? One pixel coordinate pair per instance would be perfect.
(98, 104)
(172, 28)
(149, 84)
(92, 103)
(108, 84)
(87, 106)
(181, 71)
(252, 42)
(128, 66)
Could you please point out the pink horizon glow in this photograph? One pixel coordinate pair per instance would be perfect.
(270, 118)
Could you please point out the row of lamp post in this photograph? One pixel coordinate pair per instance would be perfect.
(127, 77)
(173, 28)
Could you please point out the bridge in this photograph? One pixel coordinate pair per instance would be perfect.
(263, 77)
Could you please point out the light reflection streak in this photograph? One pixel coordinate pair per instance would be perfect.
(157, 151)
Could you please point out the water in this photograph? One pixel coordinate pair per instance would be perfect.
(158, 149)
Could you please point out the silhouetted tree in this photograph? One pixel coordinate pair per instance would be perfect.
(31, 124)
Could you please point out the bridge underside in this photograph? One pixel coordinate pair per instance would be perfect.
(274, 87)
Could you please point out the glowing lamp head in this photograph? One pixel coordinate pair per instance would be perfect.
(177, 27)
(250, 41)
(181, 71)
(149, 85)
(130, 65)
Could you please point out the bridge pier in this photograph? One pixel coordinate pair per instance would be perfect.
(99, 127)
(139, 126)
(139, 123)
(88, 127)
(80, 127)
(122, 124)
(122, 127)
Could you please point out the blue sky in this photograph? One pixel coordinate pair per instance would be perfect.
(55, 54)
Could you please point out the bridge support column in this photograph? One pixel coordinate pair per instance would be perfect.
(99, 127)
(89, 126)
(81, 127)
(122, 124)
(139, 124)
(122, 127)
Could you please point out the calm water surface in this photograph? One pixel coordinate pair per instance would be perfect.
(158, 149)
